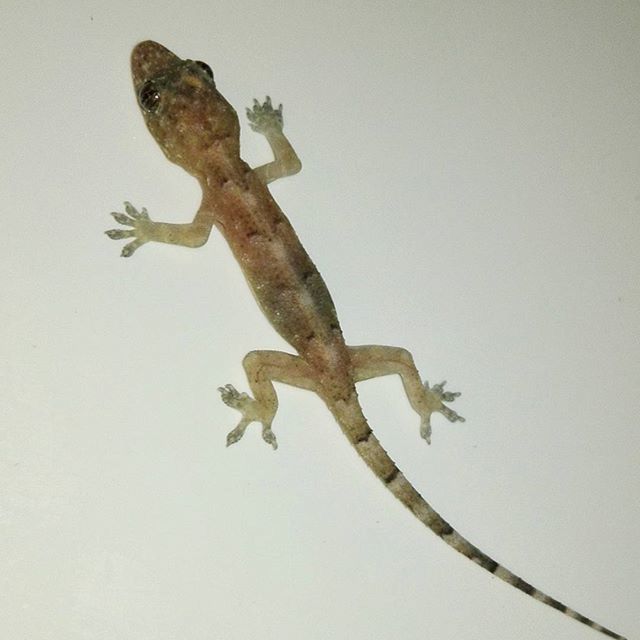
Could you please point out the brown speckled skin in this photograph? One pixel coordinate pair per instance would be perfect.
(197, 129)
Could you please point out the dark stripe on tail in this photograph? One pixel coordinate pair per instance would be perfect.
(355, 427)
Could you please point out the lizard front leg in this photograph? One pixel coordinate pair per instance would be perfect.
(372, 361)
(263, 368)
(143, 229)
(268, 121)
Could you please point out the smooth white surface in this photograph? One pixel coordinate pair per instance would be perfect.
(470, 191)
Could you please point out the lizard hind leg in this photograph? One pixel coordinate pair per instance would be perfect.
(372, 361)
(263, 368)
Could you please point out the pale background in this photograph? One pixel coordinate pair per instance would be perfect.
(470, 191)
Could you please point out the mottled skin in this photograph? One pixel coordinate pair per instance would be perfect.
(197, 129)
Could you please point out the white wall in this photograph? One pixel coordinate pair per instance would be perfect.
(470, 191)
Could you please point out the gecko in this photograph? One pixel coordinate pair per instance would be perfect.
(199, 130)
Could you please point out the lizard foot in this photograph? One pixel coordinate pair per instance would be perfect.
(263, 117)
(251, 412)
(438, 396)
(139, 221)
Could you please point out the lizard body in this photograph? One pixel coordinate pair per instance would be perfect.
(199, 130)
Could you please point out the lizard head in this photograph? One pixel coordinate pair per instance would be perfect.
(190, 120)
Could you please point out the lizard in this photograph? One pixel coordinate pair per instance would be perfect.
(199, 130)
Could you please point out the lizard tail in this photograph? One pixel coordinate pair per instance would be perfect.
(353, 423)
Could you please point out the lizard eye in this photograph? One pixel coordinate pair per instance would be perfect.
(149, 97)
(206, 68)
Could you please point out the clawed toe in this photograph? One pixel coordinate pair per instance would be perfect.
(235, 434)
(269, 437)
(264, 116)
(438, 396)
(425, 429)
(251, 411)
(233, 398)
(139, 221)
